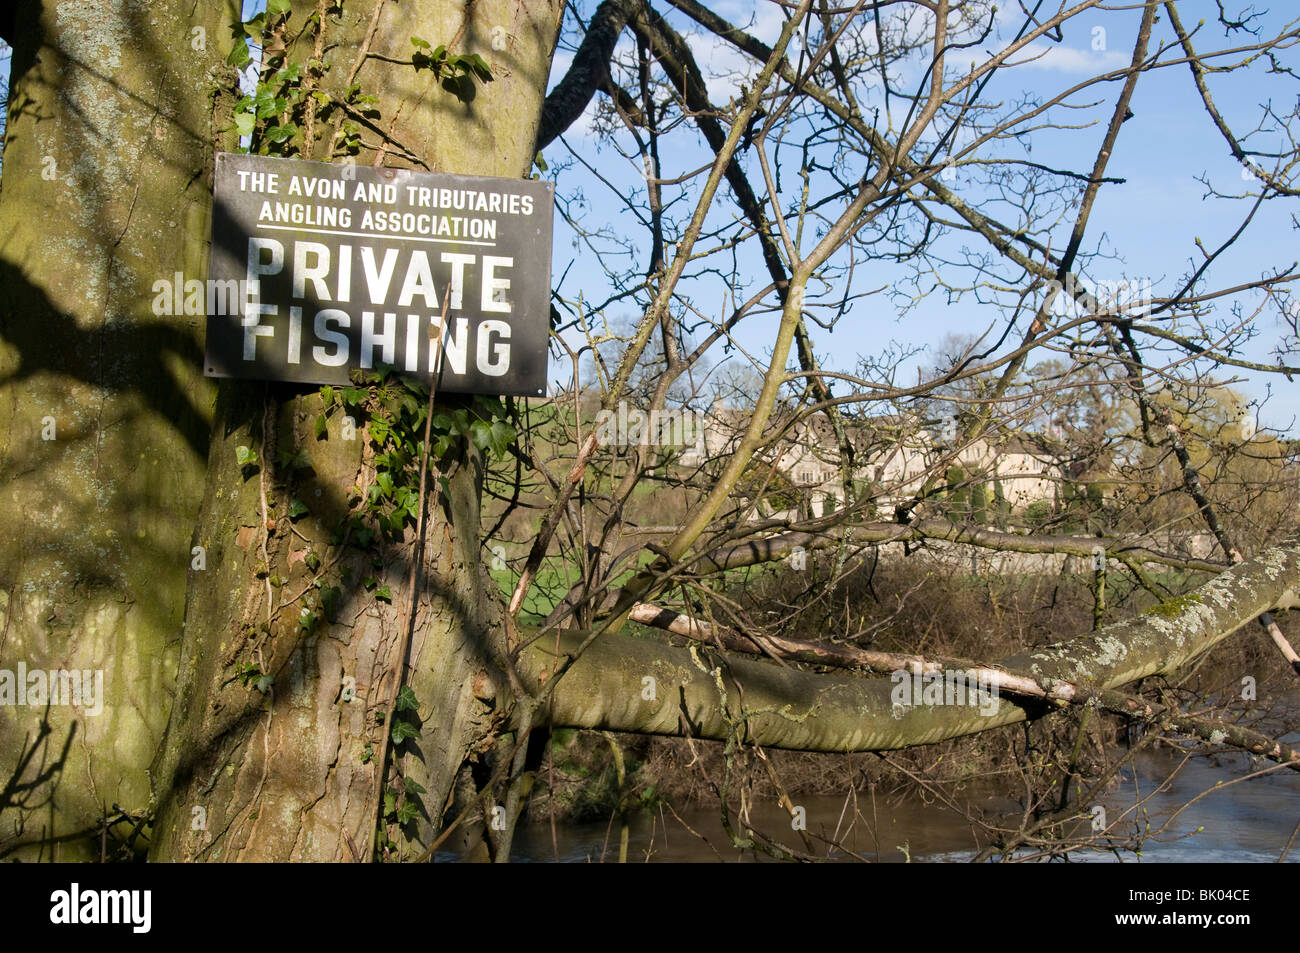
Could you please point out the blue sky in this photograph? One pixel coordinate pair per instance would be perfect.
(1149, 223)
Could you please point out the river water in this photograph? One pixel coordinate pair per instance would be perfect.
(1245, 821)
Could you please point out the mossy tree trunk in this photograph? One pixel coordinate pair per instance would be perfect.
(104, 413)
(289, 771)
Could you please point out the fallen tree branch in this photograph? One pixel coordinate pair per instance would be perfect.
(1059, 693)
(624, 683)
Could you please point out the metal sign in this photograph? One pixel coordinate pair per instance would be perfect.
(320, 268)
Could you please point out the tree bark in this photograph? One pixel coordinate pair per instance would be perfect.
(105, 410)
(291, 773)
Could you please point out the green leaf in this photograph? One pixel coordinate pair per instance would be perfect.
(311, 561)
(321, 427)
(244, 123)
(281, 133)
(500, 437)
(239, 56)
(327, 395)
(403, 730)
(264, 684)
(481, 434)
(408, 810)
(472, 62)
(421, 44)
(329, 601)
(413, 786)
(276, 7)
(245, 457)
(406, 701)
(384, 594)
(296, 459)
(390, 801)
(297, 508)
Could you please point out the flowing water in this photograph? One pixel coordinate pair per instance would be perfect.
(1242, 821)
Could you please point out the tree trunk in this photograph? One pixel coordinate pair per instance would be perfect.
(105, 411)
(290, 771)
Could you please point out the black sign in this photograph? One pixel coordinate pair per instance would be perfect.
(320, 268)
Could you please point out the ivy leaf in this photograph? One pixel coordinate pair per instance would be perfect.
(281, 133)
(500, 437)
(480, 432)
(390, 801)
(321, 427)
(406, 701)
(384, 594)
(276, 7)
(245, 457)
(419, 43)
(407, 811)
(239, 56)
(473, 63)
(329, 601)
(297, 508)
(311, 560)
(403, 730)
(413, 787)
(244, 123)
(298, 459)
